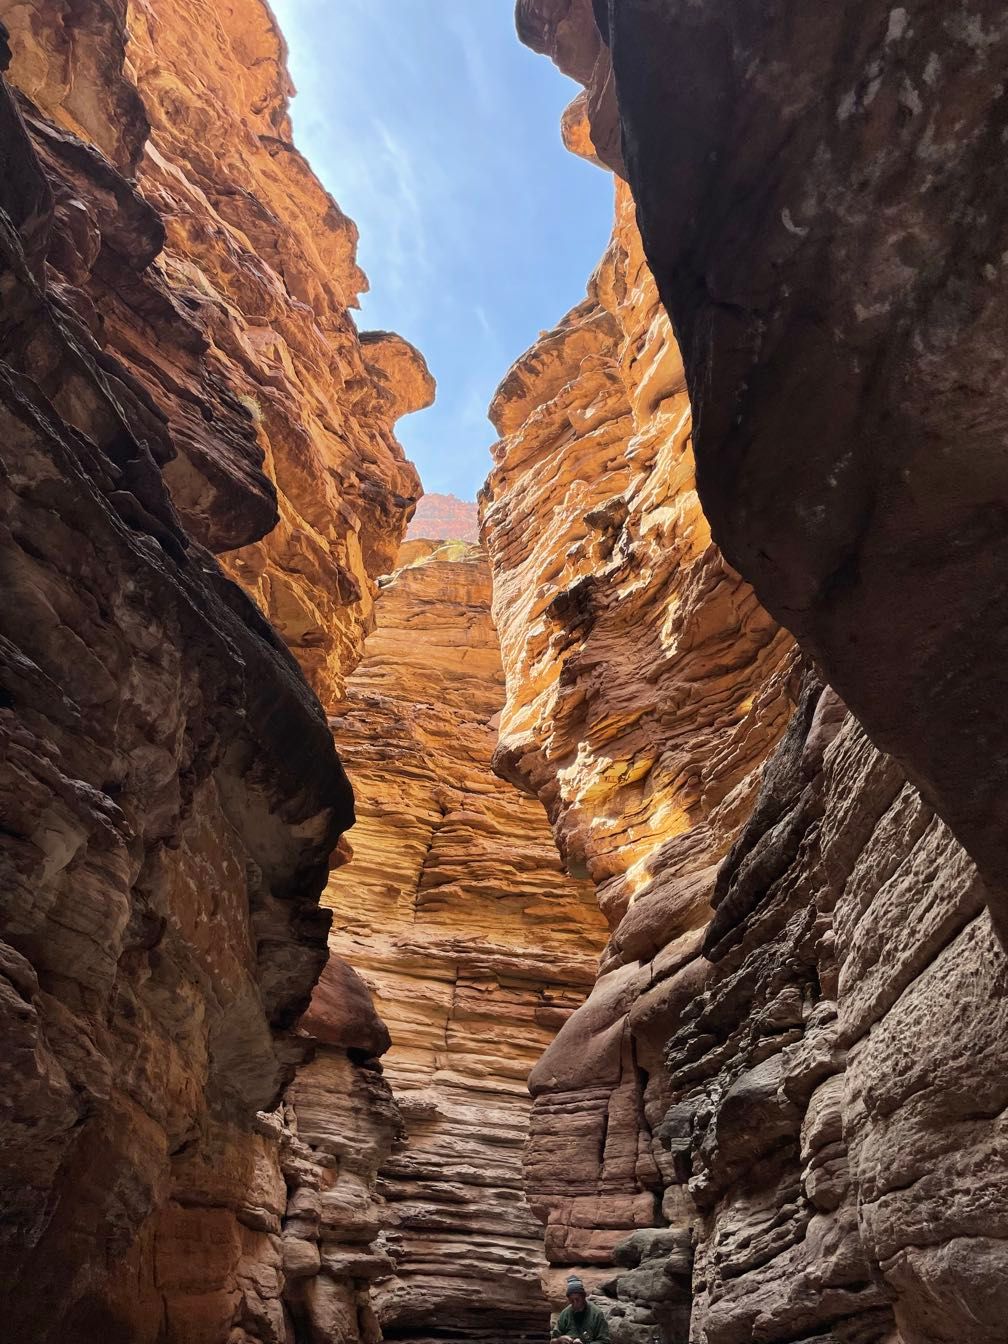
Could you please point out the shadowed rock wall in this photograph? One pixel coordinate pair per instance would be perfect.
(223, 278)
(820, 207)
(780, 1121)
(836, 1063)
(645, 687)
(179, 375)
(816, 1019)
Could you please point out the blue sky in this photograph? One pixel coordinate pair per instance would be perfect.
(439, 134)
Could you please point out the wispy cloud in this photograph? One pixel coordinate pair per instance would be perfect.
(481, 75)
(397, 216)
(439, 135)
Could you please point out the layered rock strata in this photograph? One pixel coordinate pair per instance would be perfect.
(822, 1153)
(170, 799)
(444, 516)
(839, 1145)
(645, 688)
(335, 1129)
(473, 942)
(831, 1157)
(208, 260)
(822, 211)
(179, 376)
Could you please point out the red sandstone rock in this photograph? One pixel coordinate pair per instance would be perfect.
(226, 290)
(646, 686)
(178, 371)
(476, 946)
(828, 229)
(444, 518)
(342, 1013)
(762, 1124)
(170, 796)
(824, 1144)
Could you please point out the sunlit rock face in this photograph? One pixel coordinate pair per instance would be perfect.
(645, 688)
(178, 376)
(474, 943)
(444, 516)
(224, 281)
(823, 1046)
(827, 226)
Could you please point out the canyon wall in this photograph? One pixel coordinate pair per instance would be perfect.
(475, 945)
(645, 688)
(209, 261)
(837, 1064)
(778, 1116)
(181, 379)
(821, 208)
(444, 516)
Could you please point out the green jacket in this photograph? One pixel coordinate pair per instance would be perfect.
(588, 1325)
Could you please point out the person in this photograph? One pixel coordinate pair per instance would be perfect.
(579, 1322)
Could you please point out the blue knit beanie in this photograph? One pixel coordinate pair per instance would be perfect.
(574, 1285)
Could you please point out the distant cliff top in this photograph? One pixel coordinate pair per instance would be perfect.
(443, 517)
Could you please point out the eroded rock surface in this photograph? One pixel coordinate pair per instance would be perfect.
(841, 1146)
(821, 208)
(444, 516)
(178, 372)
(208, 259)
(476, 946)
(815, 1016)
(170, 798)
(645, 687)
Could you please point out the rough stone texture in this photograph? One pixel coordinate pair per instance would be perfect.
(794, 1107)
(178, 370)
(645, 688)
(821, 204)
(475, 945)
(444, 517)
(170, 797)
(823, 1103)
(337, 1127)
(223, 279)
(780, 1122)
(843, 1152)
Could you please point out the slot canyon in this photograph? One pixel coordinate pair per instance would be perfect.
(408, 904)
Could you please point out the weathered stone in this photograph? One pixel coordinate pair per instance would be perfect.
(222, 281)
(178, 369)
(646, 686)
(777, 1116)
(822, 212)
(474, 943)
(812, 1120)
(170, 798)
(444, 517)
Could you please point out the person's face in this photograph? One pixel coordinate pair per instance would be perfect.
(577, 1301)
